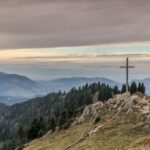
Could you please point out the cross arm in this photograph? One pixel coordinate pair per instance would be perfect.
(123, 67)
(131, 67)
(127, 67)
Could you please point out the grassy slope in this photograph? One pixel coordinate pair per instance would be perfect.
(116, 134)
(60, 140)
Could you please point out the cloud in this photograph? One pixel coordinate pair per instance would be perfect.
(65, 57)
(49, 23)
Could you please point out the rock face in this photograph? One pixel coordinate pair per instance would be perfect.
(129, 104)
(89, 111)
(122, 103)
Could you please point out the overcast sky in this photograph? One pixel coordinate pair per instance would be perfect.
(53, 23)
(46, 39)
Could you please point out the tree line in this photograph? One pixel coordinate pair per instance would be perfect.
(133, 88)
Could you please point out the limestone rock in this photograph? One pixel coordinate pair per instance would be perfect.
(121, 103)
(89, 111)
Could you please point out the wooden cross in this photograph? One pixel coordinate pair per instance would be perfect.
(127, 73)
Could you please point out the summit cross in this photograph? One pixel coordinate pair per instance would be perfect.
(127, 73)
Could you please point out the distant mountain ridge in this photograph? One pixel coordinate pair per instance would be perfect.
(16, 88)
(65, 84)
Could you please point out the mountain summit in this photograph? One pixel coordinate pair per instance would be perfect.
(123, 122)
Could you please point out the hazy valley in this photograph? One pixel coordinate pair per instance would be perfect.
(16, 88)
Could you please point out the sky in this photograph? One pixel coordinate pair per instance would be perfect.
(47, 39)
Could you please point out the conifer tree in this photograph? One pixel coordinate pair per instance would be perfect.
(21, 133)
(115, 90)
(139, 87)
(36, 129)
(52, 123)
(63, 118)
(133, 88)
(143, 88)
(123, 89)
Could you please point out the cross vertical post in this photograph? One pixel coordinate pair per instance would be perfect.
(127, 73)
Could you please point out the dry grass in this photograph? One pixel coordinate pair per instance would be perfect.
(115, 135)
(60, 140)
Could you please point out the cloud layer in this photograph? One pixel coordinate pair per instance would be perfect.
(57, 23)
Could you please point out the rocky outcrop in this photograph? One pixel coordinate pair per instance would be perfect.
(121, 103)
(89, 111)
(129, 103)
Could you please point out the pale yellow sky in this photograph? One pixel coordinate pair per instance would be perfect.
(91, 61)
(98, 53)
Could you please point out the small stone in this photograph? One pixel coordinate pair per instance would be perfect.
(129, 111)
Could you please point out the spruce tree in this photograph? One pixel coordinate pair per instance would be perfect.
(52, 123)
(21, 133)
(143, 88)
(139, 87)
(116, 90)
(133, 88)
(63, 118)
(36, 129)
(105, 93)
(123, 89)
(101, 95)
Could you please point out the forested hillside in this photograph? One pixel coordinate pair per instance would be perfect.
(24, 122)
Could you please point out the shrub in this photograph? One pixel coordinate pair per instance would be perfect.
(98, 119)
